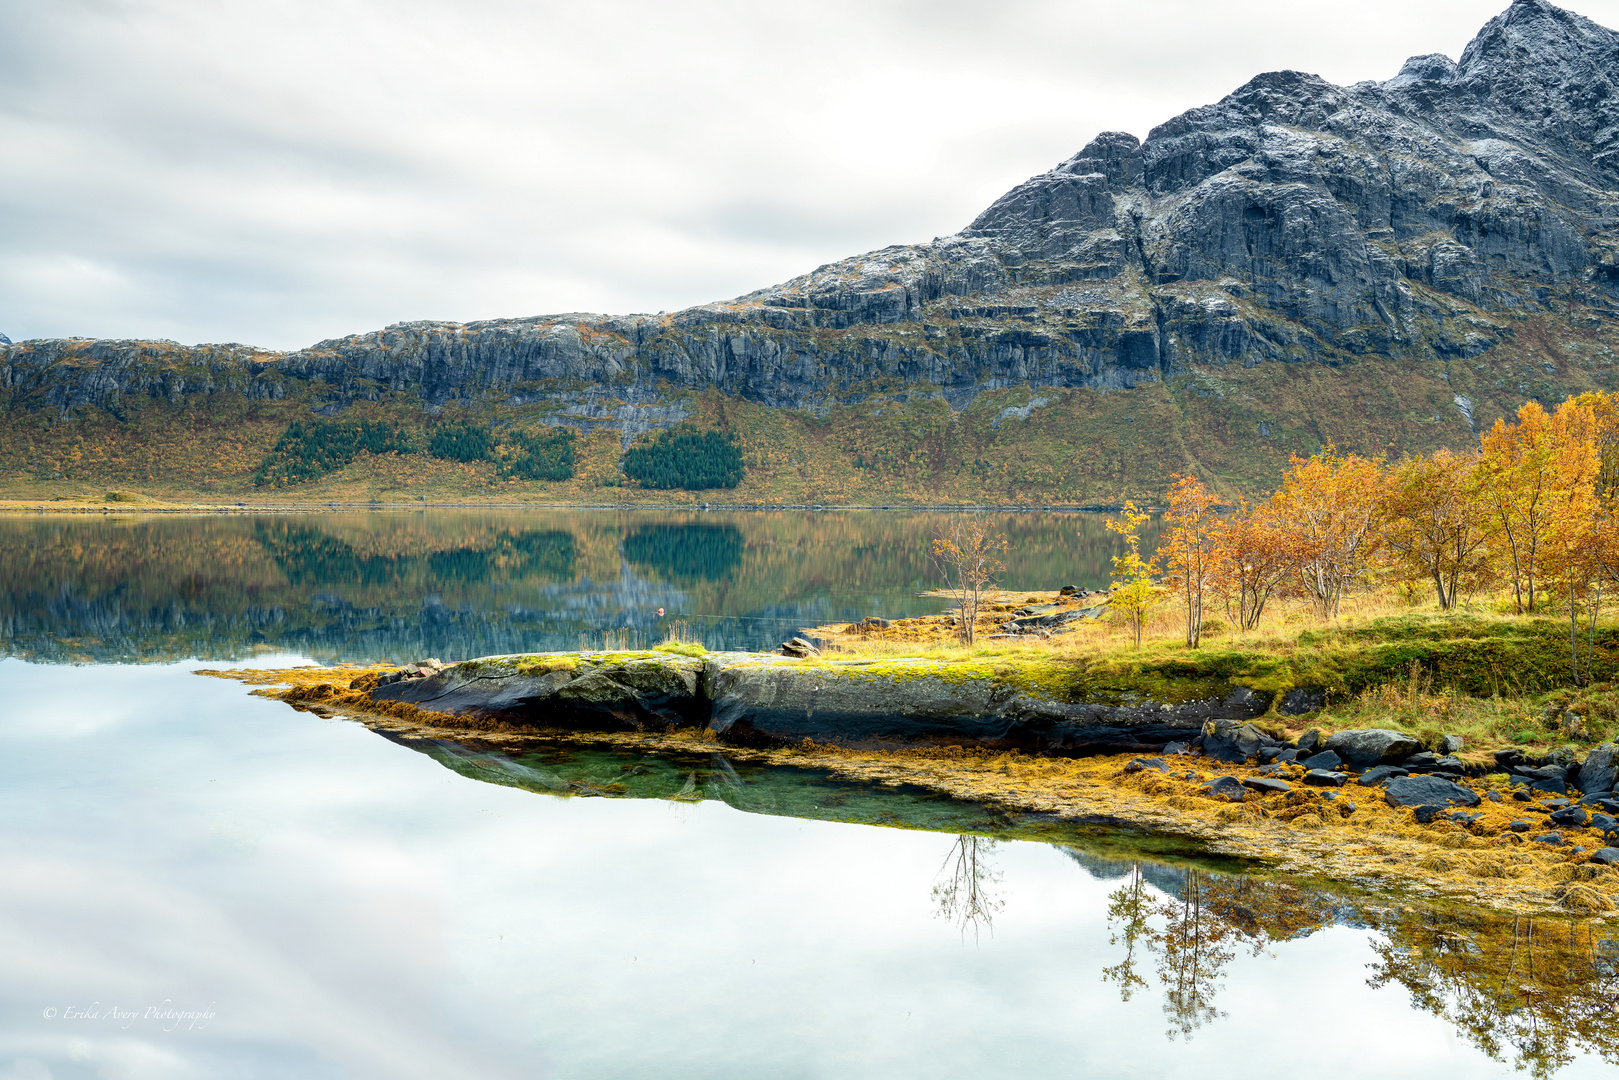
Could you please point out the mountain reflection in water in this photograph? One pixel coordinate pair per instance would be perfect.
(1530, 992)
(360, 587)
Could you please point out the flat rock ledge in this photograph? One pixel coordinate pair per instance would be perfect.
(764, 700)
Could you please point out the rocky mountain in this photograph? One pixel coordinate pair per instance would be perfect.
(1388, 264)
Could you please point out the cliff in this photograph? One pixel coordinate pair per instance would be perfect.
(1389, 264)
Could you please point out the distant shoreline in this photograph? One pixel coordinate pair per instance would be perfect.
(21, 506)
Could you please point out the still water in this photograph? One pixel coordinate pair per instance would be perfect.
(198, 883)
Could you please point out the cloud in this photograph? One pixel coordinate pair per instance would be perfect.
(281, 173)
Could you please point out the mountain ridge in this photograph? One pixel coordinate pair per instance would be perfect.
(1433, 248)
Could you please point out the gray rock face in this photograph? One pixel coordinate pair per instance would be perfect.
(1363, 748)
(1294, 220)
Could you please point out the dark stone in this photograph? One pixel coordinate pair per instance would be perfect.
(872, 622)
(1598, 773)
(1067, 590)
(1602, 800)
(1288, 755)
(1520, 825)
(1426, 813)
(1556, 804)
(1550, 838)
(1572, 817)
(1606, 822)
(1324, 760)
(1265, 785)
(1556, 787)
(1309, 740)
(1493, 796)
(1176, 748)
(1452, 744)
(1427, 759)
(1325, 778)
(1363, 748)
(1450, 765)
(1465, 817)
(1138, 764)
(1608, 856)
(1301, 700)
(1226, 787)
(1522, 794)
(1423, 790)
(1268, 754)
(1542, 772)
(1373, 777)
(1508, 758)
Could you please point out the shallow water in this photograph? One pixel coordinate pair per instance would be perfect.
(339, 903)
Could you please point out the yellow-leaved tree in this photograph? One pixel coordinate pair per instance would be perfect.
(1133, 595)
(1437, 528)
(1331, 511)
(1537, 480)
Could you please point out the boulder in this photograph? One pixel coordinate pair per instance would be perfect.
(1176, 748)
(1324, 760)
(1139, 764)
(1608, 856)
(1597, 773)
(1234, 741)
(872, 622)
(1573, 817)
(1308, 741)
(1520, 825)
(1555, 787)
(1541, 772)
(1067, 590)
(1452, 744)
(1325, 778)
(1226, 787)
(1375, 776)
(1363, 748)
(799, 648)
(1267, 786)
(1550, 838)
(1427, 790)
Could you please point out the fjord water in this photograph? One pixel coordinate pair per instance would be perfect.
(200, 883)
(459, 584)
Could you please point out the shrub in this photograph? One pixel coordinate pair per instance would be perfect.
(460, 442)
(685, 459)
(546, 455)
(307, 451)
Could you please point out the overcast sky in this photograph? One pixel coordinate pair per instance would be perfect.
(281, 171)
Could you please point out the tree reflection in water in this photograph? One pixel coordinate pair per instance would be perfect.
(1532, 992)
(964, 891)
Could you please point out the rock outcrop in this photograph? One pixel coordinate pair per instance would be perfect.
(1424, 220)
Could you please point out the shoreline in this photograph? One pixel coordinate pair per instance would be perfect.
(1347, 834)
(91, 506)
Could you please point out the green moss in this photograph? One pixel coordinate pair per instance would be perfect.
(682, 648)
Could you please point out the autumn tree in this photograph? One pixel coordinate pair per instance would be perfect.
(1258, 563)
(1331, 510)
(1133, 595)
(967, 554)
(1193, 548)
(1534, 477)
(1437, 528)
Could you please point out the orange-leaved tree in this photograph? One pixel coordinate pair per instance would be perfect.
(1437, 528)
(1133, 594)
(1331, 511)
(1258, 563)
(1192, 548)
(1535, 477)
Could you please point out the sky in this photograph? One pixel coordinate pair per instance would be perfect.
(278, 172)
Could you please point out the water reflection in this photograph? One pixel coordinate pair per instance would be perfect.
(458, 584)
(1532, 992)
(965, 894)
